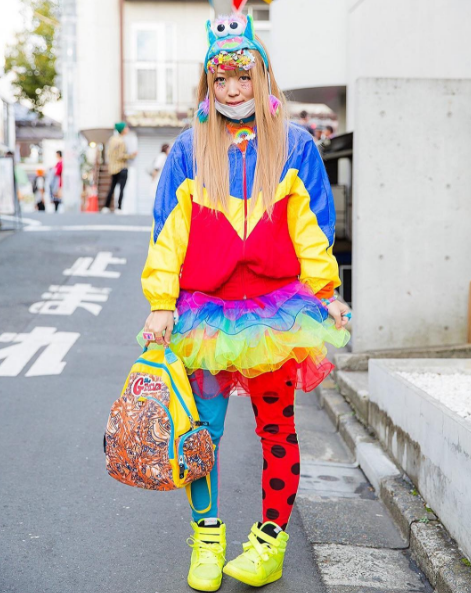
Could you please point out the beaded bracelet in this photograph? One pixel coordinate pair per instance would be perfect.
(326, 302)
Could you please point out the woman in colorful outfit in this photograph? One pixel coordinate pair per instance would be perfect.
(243, 251)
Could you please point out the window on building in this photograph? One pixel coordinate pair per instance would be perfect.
(260, 14)
(146, 84)
(146, 46)
(153, 66)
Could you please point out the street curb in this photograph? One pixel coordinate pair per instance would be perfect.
(435, 552)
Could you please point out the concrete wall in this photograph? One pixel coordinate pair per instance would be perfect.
(98, 63)
(412, 212)
(400, 38)
(308, 43)
(430, 442)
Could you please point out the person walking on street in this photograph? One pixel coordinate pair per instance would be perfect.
(243, 253)
(56, 189)
(118, 164)
(39, 187)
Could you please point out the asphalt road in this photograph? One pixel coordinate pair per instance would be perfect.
(66, 526)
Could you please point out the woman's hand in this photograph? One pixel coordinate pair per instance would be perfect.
(337, 310)
(159, 322)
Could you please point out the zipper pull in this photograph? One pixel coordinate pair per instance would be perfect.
(181, 465)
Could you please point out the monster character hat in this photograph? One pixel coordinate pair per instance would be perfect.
(231, 39)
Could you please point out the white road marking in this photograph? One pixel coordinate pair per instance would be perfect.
(90, 228)
(65, 300)
(96, 268)
(25, 221)
(26, 346)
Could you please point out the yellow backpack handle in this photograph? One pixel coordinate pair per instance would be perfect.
(190, 500)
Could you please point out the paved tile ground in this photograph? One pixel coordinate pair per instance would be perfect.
(355, 542)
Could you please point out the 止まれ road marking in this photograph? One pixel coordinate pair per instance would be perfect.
(25, 346)
(96, 268)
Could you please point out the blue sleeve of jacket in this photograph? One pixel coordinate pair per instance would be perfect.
(177, 169)
(311, 218)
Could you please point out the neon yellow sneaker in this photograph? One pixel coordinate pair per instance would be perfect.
(208, 556)
(260, 563)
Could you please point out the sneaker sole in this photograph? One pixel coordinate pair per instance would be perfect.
(202, 585)
(248, 579)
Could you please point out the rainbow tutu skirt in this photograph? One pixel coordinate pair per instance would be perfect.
(284, 331)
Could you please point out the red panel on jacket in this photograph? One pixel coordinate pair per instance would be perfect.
(217, 263)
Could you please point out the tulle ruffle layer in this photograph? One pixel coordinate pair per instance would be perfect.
(284, 332)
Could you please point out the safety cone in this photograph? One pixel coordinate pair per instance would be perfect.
(92, 201)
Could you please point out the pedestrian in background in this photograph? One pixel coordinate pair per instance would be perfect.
(39, 187)
(318, 135)
(118, 164)
(56, 188)
(252, 276)
(157, 167)
(305, 122)
(328, 133)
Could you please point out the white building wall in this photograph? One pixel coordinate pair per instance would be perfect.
(98, 63)
(189, 18)
(411, 213)
(308, 43)
(187, 52)
(406, 39)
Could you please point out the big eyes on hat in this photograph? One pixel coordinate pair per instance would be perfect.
(236, 27)
(229, 28)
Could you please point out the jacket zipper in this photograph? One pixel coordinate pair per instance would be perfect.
(244, 183)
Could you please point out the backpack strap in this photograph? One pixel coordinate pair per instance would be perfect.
(188, 493)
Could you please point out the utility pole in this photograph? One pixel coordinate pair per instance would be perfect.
(71, 180)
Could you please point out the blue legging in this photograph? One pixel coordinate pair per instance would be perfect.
(213, 411)
(272, 397)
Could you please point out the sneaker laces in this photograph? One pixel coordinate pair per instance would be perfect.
(206, 551)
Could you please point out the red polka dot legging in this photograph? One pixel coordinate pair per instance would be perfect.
(273, 405)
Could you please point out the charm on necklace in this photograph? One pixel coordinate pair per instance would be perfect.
(243, 134)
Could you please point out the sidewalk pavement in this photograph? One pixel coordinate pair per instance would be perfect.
(356, 544)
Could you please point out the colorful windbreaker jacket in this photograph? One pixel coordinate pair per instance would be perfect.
(239, 254)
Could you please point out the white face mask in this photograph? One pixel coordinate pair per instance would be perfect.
(245, 109)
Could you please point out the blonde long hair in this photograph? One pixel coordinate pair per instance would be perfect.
(211, 142)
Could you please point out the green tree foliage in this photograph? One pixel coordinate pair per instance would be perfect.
(33, 57)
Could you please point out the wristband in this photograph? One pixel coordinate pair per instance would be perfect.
(326, 302)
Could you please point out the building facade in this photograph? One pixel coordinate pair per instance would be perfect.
(141, 61)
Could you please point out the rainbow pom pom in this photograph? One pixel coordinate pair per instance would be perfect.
(275, 105)
(203, 110)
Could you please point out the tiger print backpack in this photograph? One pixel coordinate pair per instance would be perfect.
(154, 438)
